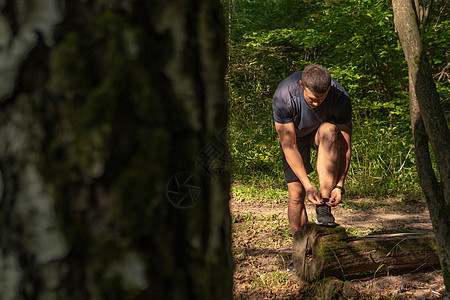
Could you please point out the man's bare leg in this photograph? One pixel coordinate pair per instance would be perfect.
(329, 157)
(296, 209)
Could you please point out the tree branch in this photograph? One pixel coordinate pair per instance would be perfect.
(425, 16)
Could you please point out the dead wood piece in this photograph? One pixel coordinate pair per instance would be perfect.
(319, 250)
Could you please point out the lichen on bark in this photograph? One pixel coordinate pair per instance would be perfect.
(33, 20)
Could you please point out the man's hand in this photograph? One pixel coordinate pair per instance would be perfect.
(313, 196)
(335, 198)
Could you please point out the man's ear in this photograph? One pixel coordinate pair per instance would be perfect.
(301, 83)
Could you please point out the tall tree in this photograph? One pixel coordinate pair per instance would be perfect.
(112, 155)
(428, 123)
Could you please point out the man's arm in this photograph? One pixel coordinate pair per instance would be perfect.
(286, 134)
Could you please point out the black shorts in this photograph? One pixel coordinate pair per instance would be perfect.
(304, 146)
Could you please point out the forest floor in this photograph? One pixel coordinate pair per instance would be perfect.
(262, 250)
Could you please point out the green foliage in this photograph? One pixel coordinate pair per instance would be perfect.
(356, 40)
(383, 161)
(437, 41)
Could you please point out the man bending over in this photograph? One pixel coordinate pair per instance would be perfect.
(312, 110)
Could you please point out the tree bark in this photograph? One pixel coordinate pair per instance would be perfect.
(321, 251)
(429, 125)
(113, 157)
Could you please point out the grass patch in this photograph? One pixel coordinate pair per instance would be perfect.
(272, 280)
(264, 193)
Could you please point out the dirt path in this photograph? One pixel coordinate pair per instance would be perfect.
(262, 250)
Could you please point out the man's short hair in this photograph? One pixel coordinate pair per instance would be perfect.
(316, 78)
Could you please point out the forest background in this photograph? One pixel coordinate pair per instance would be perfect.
(356, 40)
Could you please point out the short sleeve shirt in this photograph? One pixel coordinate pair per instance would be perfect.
(289, 106)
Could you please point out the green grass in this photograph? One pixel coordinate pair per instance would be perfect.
(261, 192)
(272, 280)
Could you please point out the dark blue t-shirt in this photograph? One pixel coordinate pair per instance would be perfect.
(290, 106)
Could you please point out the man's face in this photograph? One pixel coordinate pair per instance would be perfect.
(312, 99)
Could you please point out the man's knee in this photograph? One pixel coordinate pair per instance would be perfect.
(327, 133)
(296, 193)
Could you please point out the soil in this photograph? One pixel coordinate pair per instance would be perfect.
(262, 251)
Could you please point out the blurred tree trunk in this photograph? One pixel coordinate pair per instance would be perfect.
(428, 124)
(114, 166)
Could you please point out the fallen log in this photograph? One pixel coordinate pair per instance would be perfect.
(324, 251)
